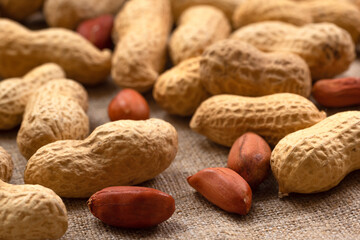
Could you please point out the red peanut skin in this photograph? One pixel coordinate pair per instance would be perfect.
(128, 104)
(224, 188)
(250, 157)
(98, 31)
(131, 206)
(342, 92)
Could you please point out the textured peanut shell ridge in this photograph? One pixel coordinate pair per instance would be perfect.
(224, 118)
(6, 165)
(341, 13)
(326, 48)
(21, 50)
(69, 13)
(316, 159)
(57, 111)
(198, 28)
(19, 9)
(15, 93)
(227, 6)
(179, 90)
(118, 153)
(236, 67)
(31, 212)
(141, 31)
(252, 11)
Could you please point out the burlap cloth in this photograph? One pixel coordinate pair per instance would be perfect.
(334, 214)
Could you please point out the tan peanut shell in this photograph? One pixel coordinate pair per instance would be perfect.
(198, 28)
(316, 159)
(57, 111)
(224, 118)
(179, 90)
(236, 67)
(326, 48)
(15, 92)
(21, 50)
(341, 13)
(140, 32)
(19, 9)
(124, 152)
(30, 212)
(6, 165)
(227, 6)
(252, 11)
(69, 13)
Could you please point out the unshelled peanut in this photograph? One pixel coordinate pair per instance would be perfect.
(69, 13)
(131, 207)
(341, 13)
(124, 152)
(316, 159)
(128, 104)
(236, 67)
(15, 93)
(327, 49)
(224, 118)
(198, 28)
(6, 165)
(179, 90)
(341, 92)
(224, 188)
(30, 212)
(250, 157)
(57, 111)
(21, 50)
(140, 33)
(227, 6)
(19, 9)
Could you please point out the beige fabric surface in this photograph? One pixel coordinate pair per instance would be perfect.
(331, 215)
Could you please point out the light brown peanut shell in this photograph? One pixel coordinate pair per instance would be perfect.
(140, 32)
(341, 13)
(19, 9)
(252, 11)
(224, 118)
(31, 212)
(124, 152)
(236, 67)
(69, 13)
(179, 90)
(15, 92)
(21, 50)
(327, 49)
(316, 159)
(198, 28)
(227, 6)
(6, 165)
(57, 111)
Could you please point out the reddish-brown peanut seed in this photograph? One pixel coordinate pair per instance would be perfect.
(224, 188)
(98, 30)
(342, 92)
(250, 157)
(131, 207)
(128, 104)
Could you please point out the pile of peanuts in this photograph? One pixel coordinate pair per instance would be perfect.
(243, 69)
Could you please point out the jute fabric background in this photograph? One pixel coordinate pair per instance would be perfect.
(331, 215)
